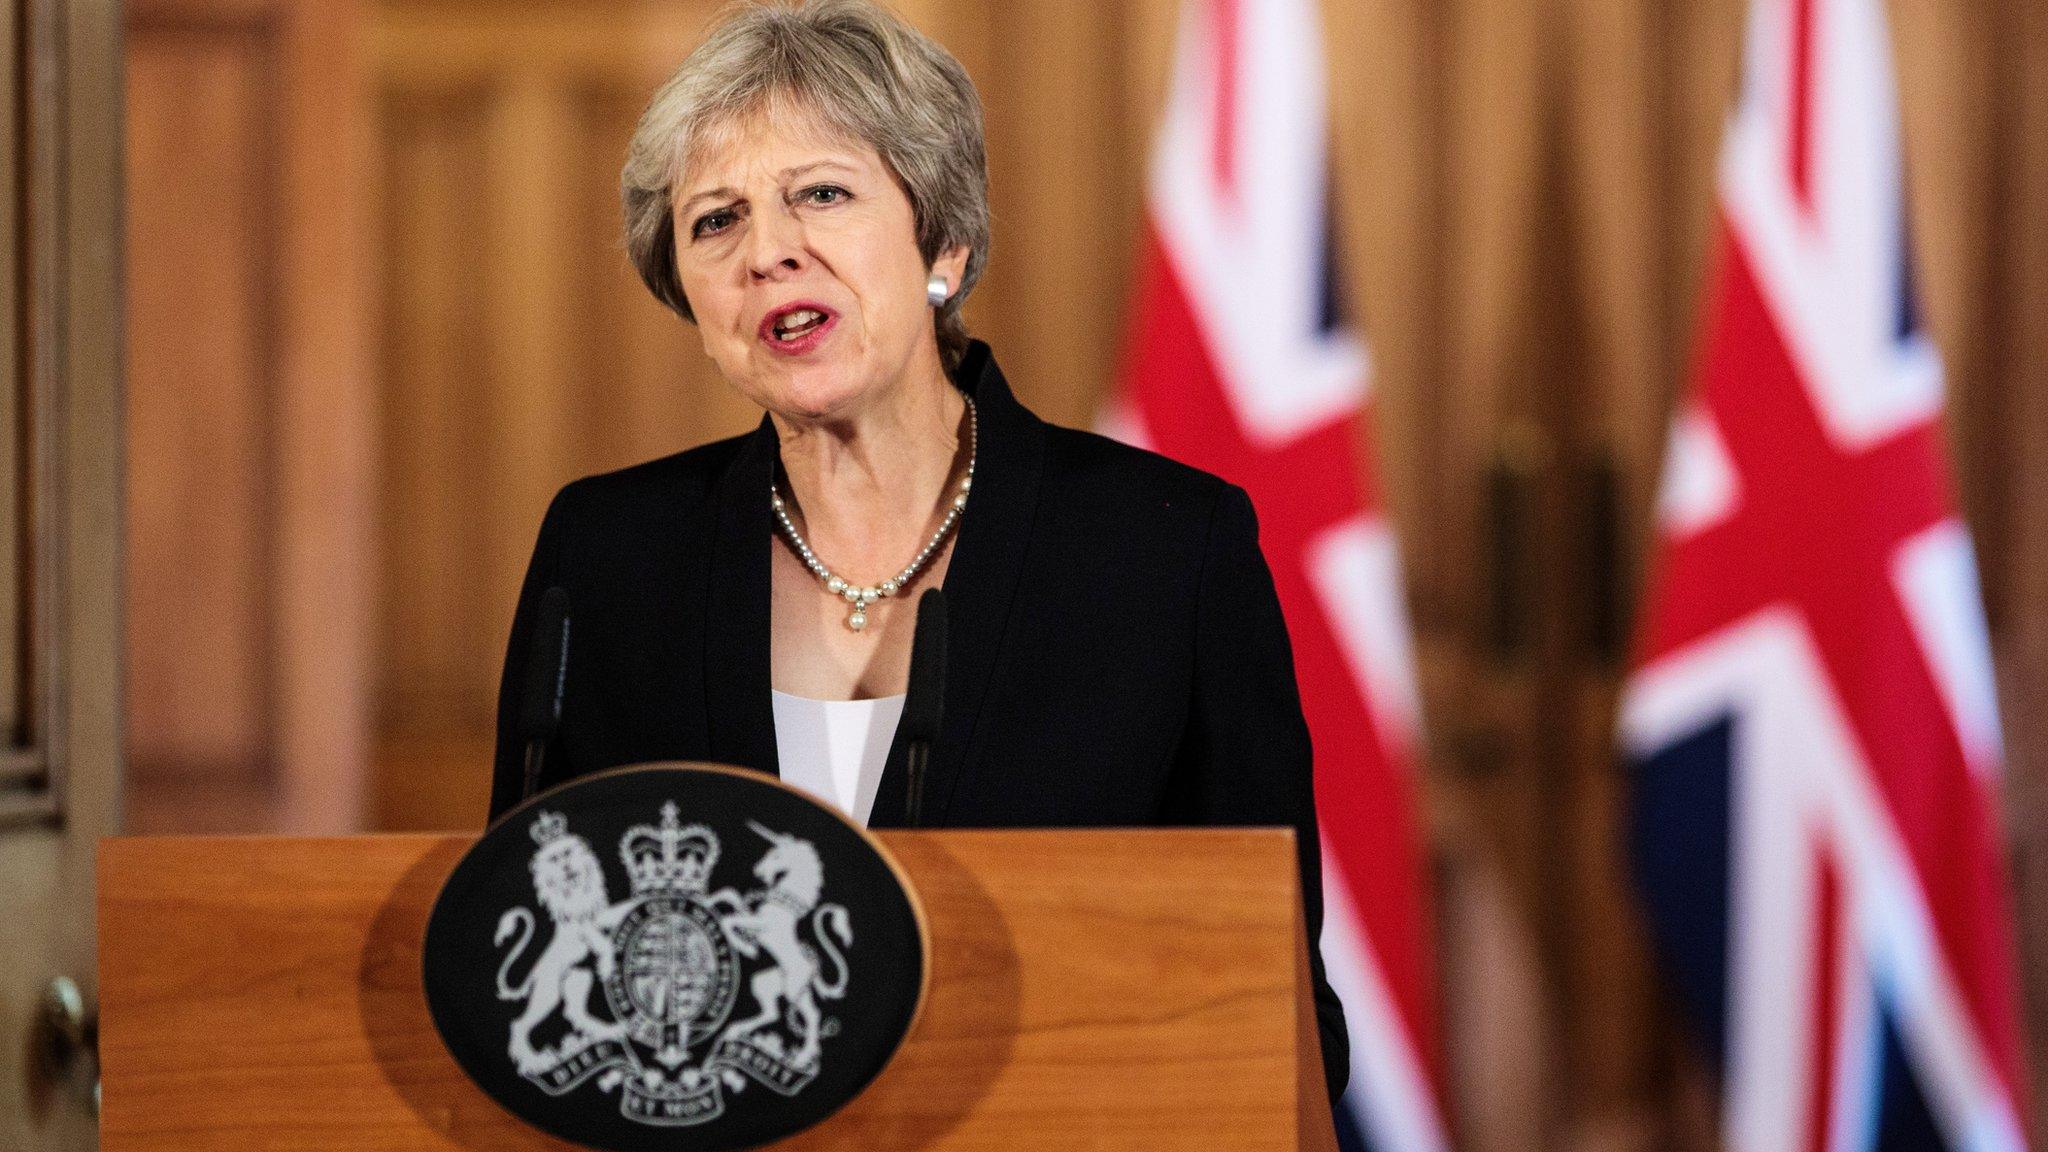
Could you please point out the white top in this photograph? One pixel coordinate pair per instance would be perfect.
(834, 749)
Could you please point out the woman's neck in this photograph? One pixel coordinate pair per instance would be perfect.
(868, 489)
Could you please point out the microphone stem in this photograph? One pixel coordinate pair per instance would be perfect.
(536, 752)
(913, 812)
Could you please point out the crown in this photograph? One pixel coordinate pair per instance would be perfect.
(548, 827)
(669, 859)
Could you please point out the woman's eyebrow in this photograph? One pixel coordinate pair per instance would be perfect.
(800, 169)
(708, 193)
(790, 173)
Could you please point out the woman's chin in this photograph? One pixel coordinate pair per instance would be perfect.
(835, 381)
(819, 392)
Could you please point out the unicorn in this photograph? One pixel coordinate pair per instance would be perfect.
(792, 985)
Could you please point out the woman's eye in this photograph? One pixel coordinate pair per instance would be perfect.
(824, 194)
(711, 223)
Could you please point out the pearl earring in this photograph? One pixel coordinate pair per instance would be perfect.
(936, 291)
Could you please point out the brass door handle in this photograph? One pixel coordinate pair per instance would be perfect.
(68, 1042)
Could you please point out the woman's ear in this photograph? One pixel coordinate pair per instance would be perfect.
(952, 264)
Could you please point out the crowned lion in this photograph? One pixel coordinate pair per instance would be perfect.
(569, 882)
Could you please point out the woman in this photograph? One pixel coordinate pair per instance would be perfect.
(810, 190)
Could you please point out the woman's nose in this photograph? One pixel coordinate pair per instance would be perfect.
(775, 245)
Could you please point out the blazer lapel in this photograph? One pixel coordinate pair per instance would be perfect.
(981, 581)
(740, 717)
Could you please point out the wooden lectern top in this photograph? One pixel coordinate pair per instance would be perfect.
(1098, 989)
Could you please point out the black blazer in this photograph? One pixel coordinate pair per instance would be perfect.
(1115, 652)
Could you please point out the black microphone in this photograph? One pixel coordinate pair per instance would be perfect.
(924, 703)
(547, 671)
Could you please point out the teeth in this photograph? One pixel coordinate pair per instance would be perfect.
(798, 319)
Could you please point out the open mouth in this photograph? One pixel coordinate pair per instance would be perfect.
(796, 326)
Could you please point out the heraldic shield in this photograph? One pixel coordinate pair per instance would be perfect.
(674, 956)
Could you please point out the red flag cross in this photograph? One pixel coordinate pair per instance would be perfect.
(1301, 488)
(1817, 526)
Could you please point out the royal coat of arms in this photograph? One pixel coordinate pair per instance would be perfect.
(643, 996)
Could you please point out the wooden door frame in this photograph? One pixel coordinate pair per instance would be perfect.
(60, 513)
(62, 486)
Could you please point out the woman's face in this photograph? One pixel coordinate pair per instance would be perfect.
(797, 251)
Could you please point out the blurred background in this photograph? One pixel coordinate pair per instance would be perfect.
(378, 311)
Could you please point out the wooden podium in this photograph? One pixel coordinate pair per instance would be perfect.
(1101, 989)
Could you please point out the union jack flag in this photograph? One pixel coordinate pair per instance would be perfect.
(1812, 719)
(1239, 365)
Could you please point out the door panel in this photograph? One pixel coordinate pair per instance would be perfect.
(250, 435)
(201, 320)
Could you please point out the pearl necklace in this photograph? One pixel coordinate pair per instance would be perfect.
(861, 596)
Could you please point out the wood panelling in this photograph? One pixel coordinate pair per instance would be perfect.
(201, 186)
(435, 440)
(250, 451)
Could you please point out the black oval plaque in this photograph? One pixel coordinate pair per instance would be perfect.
(674, 956)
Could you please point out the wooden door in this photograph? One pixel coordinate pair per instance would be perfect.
(59, 528)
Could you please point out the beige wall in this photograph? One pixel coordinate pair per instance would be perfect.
(1523, 195)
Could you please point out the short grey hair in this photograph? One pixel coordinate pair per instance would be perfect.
(861, 70)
